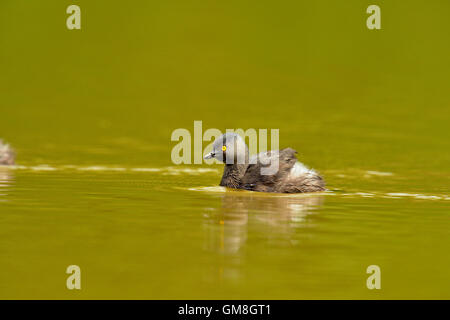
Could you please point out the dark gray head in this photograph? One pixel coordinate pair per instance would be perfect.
(229, 148)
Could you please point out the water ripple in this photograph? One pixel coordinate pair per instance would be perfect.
(163, 170)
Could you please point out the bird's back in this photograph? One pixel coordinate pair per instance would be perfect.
(291, 176)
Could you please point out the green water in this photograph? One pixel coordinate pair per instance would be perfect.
(90, 113)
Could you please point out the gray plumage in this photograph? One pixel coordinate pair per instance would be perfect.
(244, 172)
(7, 154)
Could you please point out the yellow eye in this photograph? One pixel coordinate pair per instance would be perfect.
(224, 148)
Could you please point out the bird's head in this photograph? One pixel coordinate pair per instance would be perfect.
(229, 148)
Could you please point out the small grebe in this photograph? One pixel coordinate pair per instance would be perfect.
(7, 154)
(242, 172)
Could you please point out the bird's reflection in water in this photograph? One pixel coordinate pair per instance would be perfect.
(262, 219)
(6, 180)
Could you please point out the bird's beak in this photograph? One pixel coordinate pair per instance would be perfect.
(209, 155)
